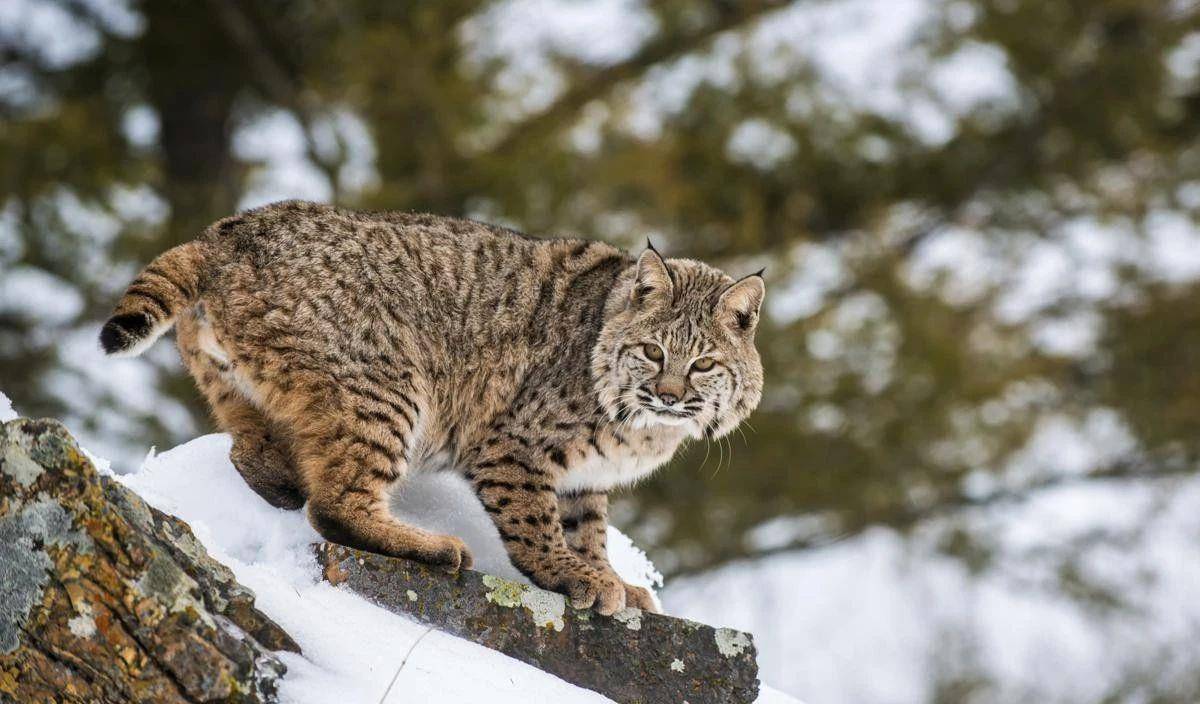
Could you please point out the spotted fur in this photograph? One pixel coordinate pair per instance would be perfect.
(339, 349)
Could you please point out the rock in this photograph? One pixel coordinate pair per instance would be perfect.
(105, 599)
(632, 657)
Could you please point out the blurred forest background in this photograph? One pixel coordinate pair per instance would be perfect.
(974, 473)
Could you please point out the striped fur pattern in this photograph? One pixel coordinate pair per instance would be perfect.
(341, 349)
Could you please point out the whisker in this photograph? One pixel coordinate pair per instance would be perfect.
(725, 444)
(707, 451)
(720, 459)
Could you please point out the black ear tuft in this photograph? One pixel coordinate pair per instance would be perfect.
(760, 272)
(650, 246)
(123, 331)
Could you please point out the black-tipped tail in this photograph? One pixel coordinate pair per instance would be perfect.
(123, 332)
(170, 284)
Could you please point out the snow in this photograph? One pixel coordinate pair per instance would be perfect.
(34, 294)
(525, 35)
(141, 126)
(52, 32)
(866, 56)
(881, 616)
(282, 151)
(1174, 246)
(278, 140)
(1061, 445)
(817, 270)
(525, 32)
(353, 650)
(760, 144)
(7, 412)
(1057, 281)
(86, 378)
(460, 513)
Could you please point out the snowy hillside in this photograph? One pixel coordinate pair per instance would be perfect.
(354, 651)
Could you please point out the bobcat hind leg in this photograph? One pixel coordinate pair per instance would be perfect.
(262, 449)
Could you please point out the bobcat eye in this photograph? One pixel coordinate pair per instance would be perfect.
(703, 364)
(652, 351)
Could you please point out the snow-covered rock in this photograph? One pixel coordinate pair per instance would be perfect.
(353, 650)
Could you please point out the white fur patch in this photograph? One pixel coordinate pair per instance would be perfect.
(143, 344)
(619, 467)
(206, 340)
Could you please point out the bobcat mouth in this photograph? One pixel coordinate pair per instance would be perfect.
(668, 412)
(667, 416)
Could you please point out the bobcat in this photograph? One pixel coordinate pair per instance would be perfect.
(340, 348)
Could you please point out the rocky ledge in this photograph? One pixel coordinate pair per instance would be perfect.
(105, 599)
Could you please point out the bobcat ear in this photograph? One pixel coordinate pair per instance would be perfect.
(739, 304)
(653, 283)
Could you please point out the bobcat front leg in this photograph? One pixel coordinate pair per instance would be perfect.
(585, 525)
(518, 493)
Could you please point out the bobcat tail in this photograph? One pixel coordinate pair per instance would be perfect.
(169, 285)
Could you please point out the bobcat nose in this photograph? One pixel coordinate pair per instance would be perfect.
(669, 391)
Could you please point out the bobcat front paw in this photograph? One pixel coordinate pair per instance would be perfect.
(450, 553)
(640, 598)
(604, 592)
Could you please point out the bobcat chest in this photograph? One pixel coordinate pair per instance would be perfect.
(610, 460)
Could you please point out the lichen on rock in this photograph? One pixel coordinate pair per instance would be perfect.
(631, 617)
(730, 642)
(503, 592)
(546, 608)
(18, 465)
(106, 599)
(24, 564)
